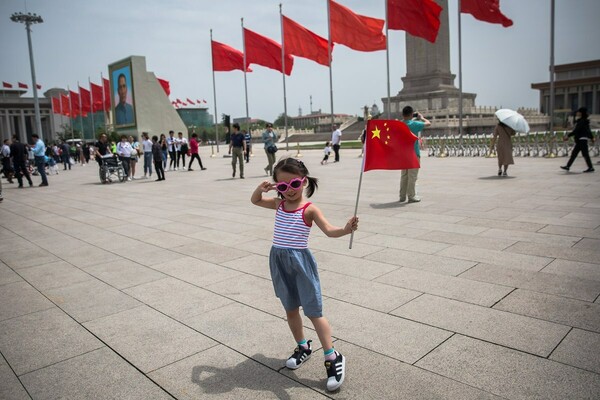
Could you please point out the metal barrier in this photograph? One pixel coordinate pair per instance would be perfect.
(533, 144)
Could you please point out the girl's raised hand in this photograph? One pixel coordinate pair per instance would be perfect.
(265, 186)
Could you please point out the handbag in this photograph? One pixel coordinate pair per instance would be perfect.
(272, 149)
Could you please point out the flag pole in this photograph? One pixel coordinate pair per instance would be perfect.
(460, 88)
(362, 169)
(80, 114)
(91, 106)
(329, 55)
(387, 60)
(104, 112)
(245, 81)
(551, 102)
(71, 115)
(212, 57)
(283, 74)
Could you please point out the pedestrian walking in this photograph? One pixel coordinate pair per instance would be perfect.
(336, 141)
(194, 152)
(164, 149)
(39, 152)
(172, 145)
(147, 150)
(157, 154)
(293, 268)
(124, 151)
(269, 138)
(7, 167)
(248, 139)
(18, 153)
(183, 149)
(237, 148)
(135, 155)
(582, 134)
(326, 153)
(408, 177)
(504, 150)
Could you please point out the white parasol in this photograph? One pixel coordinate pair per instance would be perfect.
(513, 119)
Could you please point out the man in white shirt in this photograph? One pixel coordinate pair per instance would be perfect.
(336, 141)
(6, 164)
(147, 147)
(172, 148)
(124, 151)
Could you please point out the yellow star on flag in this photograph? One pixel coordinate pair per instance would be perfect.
(376, 133)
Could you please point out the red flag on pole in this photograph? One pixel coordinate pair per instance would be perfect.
(191, 102)
(106, 88)
(226, 58)
(56, 105)
(389, 144)
(39, 87)
(86, 101)
(23, 86)
(418, 17)
(165, 85)
(65, 107)
(96, 97)
(355, 31)
(6, 85)
(266, 52)
(486, 11)
(302, 42)
(204, 101)
(74, 103)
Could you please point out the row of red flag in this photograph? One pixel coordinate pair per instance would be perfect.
(417, 17)
(20, 85)
(178, 103)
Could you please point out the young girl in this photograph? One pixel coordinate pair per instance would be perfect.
(293, 268)
(326, 151)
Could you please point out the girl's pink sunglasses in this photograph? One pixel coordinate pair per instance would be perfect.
(295, 183)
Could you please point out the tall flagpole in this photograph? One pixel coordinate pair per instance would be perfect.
(329, 54)
(80, 113)
(387, 60)
(245, 81)
(283, 74)
(71, 115)
(551, 105)
(91, 107)
(212, 57)
(460, 91)
(104, 112)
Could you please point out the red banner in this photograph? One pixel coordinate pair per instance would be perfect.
(86, 101)
(355, 31)
(65, 105)
(165, 85)
(74, 97)
(6, 85)
(56, 105)
(266, 52)
(106, 87)
(486, 11)
(302, 42)
(420, 18)
(389, 144)
(226, 58)
(23, 86)
(96, 97)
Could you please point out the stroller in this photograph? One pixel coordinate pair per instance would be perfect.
(111, 169)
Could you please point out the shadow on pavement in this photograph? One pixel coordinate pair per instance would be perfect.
(496, 177)
(394, 204)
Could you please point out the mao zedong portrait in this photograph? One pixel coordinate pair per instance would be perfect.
(123, 110)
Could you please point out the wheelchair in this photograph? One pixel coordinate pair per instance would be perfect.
(111, 169)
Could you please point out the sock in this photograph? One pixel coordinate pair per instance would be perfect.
(329, 354)
(303, 344)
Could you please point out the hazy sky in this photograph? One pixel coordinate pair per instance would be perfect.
(78, 39)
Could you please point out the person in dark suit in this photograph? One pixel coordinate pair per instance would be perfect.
(123, 110)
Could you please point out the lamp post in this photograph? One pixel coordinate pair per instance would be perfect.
(29, 19)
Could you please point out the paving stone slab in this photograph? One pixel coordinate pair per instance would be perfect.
(572, 231)
(211, 252)
(352, 266)
(521, 261)
(100, 374)
(254, 264)
(589, 245)
(87, 256)
(220, 372)
(27, 257)
(54, 275)
(7, 275)
(509, 373)
(579, 349)
(564, 253)
(481, 293)
(370, 375)
(533, 237)
(371, 330)
(176, 298)
(506, 329)
(147, 338)
(560, 285)
(511, 225)
(425, 262)
(197, 272)
(89, 300)
(10, 386)
(394, 242)
(473, 241)
(246, 330)
(48, 336)
(575, 313)
(122, 274)
(340, 246)
(575, 269)
(364, 293)
(447, 227)
(590, 224)
(20, 298)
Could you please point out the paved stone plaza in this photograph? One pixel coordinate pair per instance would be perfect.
(488, 288)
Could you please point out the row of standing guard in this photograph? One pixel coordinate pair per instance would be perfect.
(532, 144)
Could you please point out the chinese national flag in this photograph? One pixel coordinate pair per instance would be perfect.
(96, 97)
(389, 144)
(86, 101)
(165, 85)
(65, 108)
(56, 105)
(23, 86)
(6, 85)
(190, 102)
(355, 31)
(486, 11)
(301, 42)
(420, 18)
(266, 52)
(226, 58)
(74, 103)
(106, 87)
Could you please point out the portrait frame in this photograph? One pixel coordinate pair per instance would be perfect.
(125, 115)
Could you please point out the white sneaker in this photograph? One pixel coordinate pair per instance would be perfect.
(129, 178)
(175, 168)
